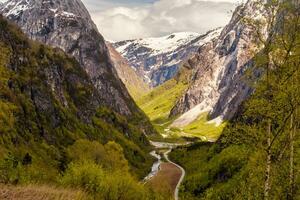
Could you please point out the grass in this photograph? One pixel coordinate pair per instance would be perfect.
(157, 105)
(40, 193)
(166, 180)
(201, 129)
(137, 91)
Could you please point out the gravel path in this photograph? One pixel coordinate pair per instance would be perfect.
(182, 174)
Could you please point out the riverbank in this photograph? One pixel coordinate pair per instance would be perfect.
(166, 176)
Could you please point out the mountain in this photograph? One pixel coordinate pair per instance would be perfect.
(48, 104)
(135, 85)
(218, 84)
(215, 86)
(94, 90)
(257, 155)
(67, 25)
(157, 60)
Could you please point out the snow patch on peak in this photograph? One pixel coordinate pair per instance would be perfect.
(157, 59)
(64, 14)
(167, 43)
(16, 7)
(63, 9)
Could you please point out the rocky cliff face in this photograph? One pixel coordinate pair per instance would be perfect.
(135, 85)
(67, 24)
(157, 60)
(48, 101)
(218, 85)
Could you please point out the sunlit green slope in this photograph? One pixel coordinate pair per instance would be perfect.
(158, 103)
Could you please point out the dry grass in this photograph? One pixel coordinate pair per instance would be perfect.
(33, 192)
(166, 179)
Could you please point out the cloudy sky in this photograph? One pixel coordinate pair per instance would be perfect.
(129, 19)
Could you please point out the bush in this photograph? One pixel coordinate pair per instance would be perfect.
(121, 186)
(10, 170)
(86, 150)
(106, 185)
(86, 175)
(110, 156)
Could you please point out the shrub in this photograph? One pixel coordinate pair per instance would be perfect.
(86, 175)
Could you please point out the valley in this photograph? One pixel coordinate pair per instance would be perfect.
(158, 105)
(171, 115)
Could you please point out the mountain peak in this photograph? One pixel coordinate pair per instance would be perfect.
(58, 8)
(67, 24)
(157, 59)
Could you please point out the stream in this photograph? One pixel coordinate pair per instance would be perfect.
(155, 166)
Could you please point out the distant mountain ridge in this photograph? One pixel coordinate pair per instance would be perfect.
(157, 60)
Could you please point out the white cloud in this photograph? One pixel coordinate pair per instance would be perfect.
(162, 17)
(131, 19)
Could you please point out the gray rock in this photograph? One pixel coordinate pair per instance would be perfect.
(157, 60)
(219, 84)
(66, 24)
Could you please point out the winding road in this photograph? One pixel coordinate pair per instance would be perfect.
(170, 146)
(176, 192)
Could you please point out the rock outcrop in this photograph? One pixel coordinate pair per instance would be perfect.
(48, 101)
(218, 84)
(157, 60)
(66, 24)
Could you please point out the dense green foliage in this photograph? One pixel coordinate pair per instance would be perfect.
(54, 130)
(258, 154)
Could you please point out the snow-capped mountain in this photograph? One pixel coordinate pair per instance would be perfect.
(158, 59)
(66, 24)
(218, 84)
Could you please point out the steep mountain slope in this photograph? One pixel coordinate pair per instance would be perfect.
(258, 154)
(218, 83)
(135, 85)
(47, 102)
(157, 60)
(67, 24)
(159, 102)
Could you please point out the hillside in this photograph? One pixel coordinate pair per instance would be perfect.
(158, 105)
(257, 156)
(219, 84)
(134, 84)
(53, 128)
(67, 24)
